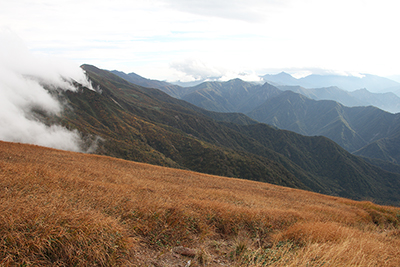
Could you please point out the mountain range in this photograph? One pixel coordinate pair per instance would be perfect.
(222, 96)
(360, 128)
(370, 82)
(147, 125)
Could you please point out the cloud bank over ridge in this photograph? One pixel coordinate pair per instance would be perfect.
(22, 76)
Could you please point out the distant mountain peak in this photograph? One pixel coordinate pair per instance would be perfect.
(363, 90)
(284, 74)
(282, 78)
(237, 81)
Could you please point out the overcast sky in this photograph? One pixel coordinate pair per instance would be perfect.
(194, 39)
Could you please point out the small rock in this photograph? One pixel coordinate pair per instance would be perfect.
(156, 264)
(188, 252)
(176, 256)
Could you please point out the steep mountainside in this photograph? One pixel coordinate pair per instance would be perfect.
(352, 128)
(387, 149)
(147, 125)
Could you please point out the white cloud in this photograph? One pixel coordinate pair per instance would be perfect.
(196, 70)
(22, 76)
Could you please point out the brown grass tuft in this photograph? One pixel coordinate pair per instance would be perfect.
(315, 232)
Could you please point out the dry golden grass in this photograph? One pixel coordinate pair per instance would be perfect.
(61, 208)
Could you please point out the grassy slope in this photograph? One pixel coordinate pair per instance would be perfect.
(65, 209)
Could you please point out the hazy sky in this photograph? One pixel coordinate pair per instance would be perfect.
(193, 39)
